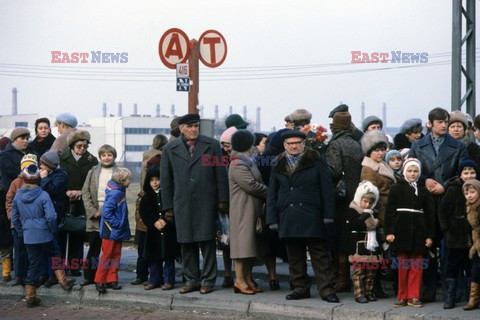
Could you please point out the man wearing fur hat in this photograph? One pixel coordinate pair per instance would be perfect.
(440, 155)
(66, 123)
(301, 205)
(193, 194)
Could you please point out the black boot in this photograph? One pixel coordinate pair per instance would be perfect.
(450, 292)
(51, 281)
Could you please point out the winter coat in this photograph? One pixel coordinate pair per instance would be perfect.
(400, 141)
(40, 146)
(442, 167)
(344, 159)
(55, 184)
(33, 215)
(473, 151)
(473, 216)
(90, 198)
(12, 191)
(452, 215)
(409, 217)
(60, 143)
(159, 244)
(139, 224)
(193, 191)
(6, 240)
(300, 201)
(382, 176)
(10, 159)
(114, 219)
(77, 172)
(147, 155)
(247, 198)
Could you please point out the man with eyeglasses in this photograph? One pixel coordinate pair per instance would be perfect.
(66, 123)
(301, 205)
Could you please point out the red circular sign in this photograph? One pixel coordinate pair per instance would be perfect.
(213, 48)
(173, 47)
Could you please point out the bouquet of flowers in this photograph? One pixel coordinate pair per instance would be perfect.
(316, 136)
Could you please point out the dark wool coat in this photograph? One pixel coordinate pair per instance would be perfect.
(299, 202)
(473, 151)
(441, 167)
(344, 157)
(10, 159)
(55, 184)
(77, 172)
(452, 215)
(40, 146)
(193, 191)
(357, 231)
(158, 244)
(400, 141)
(5, 232)
(411, 229)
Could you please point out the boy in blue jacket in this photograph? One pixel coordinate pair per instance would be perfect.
(35, 220)
(114, 229)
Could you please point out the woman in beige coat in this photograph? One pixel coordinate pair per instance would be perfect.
(247, 197)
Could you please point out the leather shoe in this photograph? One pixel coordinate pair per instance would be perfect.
(100, 287)
(86, 282)
(205, 290)
(370, 297)
(188, 289)
(361, 299)
(274, 285)
(379, 293)
(400, 303)
(114, 285)
(167, 286)
(246, 290)
(150, 286)
(332, 298)
(415, 303)
(298, 295)
(137, 281)
(227, 282)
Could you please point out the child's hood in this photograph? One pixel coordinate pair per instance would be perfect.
(29, 195)
(154, 171)
(363, 188)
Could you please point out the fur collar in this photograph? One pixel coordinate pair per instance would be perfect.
(380, 167)
(308, 160)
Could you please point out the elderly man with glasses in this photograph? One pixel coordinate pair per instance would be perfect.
(301, 204)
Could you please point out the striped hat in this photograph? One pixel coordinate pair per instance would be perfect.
(31, 174)
(27, 160)
(411, 162)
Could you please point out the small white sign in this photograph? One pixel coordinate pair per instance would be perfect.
(183, 70)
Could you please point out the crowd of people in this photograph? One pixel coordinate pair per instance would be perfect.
(365, 206)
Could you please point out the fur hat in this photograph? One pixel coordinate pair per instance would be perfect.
(77, 135)
(467, 163)
(472, 182)
(27, 160)
(469, 119)
(242, 140)
(410, 124)
(68, 119)
(227, 135)
(287, 118)
(300, 115)
(31, 174)
(50, 159)
(342, 120)
(458, 116)
(18, 132)
(411, 162)
(235, 120)
(370, 120)
(371, 140)
(340, 108)
(366, 187)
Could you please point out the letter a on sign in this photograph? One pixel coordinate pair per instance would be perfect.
(213, 48)
(173, 47)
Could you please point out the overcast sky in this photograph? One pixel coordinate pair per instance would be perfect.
(307, 44)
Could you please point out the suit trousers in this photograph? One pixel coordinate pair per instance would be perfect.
(190, 263)
(321, 263)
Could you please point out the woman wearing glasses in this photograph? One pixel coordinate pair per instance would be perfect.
(77, 161)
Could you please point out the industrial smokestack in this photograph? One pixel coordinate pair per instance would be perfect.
(135, 109)
(384, 118)
(230, 110)
(257, 123)
(216, 112)
(362, 112)
(120, 112)
(172, 111)
(14, 102)
(104, 110)
(158, 111)
(201, 111)
(245, 113)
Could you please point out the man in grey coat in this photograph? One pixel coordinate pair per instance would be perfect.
(192, 194)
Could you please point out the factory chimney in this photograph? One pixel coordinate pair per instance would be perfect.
(104, 110)
(14, 102)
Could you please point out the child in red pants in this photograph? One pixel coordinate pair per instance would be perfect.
(409, 226)
(114, 229)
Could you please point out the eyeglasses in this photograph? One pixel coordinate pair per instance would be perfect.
(81, 146)
(294, 143)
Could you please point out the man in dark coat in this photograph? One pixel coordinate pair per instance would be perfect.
(193, 193)
(301, 204)
(440, 155)
(344, 159)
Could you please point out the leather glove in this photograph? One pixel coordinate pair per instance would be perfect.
(222, 207)
(169, 216)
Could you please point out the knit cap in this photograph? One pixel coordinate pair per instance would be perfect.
(467, 163)
(50, 159)
(242, 140)
(391, 153)
(31, 174)
(227, 135)
(27, 160)
(411, 162)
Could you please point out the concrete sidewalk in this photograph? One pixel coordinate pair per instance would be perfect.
(269, 304)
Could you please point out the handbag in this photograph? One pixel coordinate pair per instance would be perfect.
(259, 226)
(341, 189)
(223, 231)
(72, 223)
